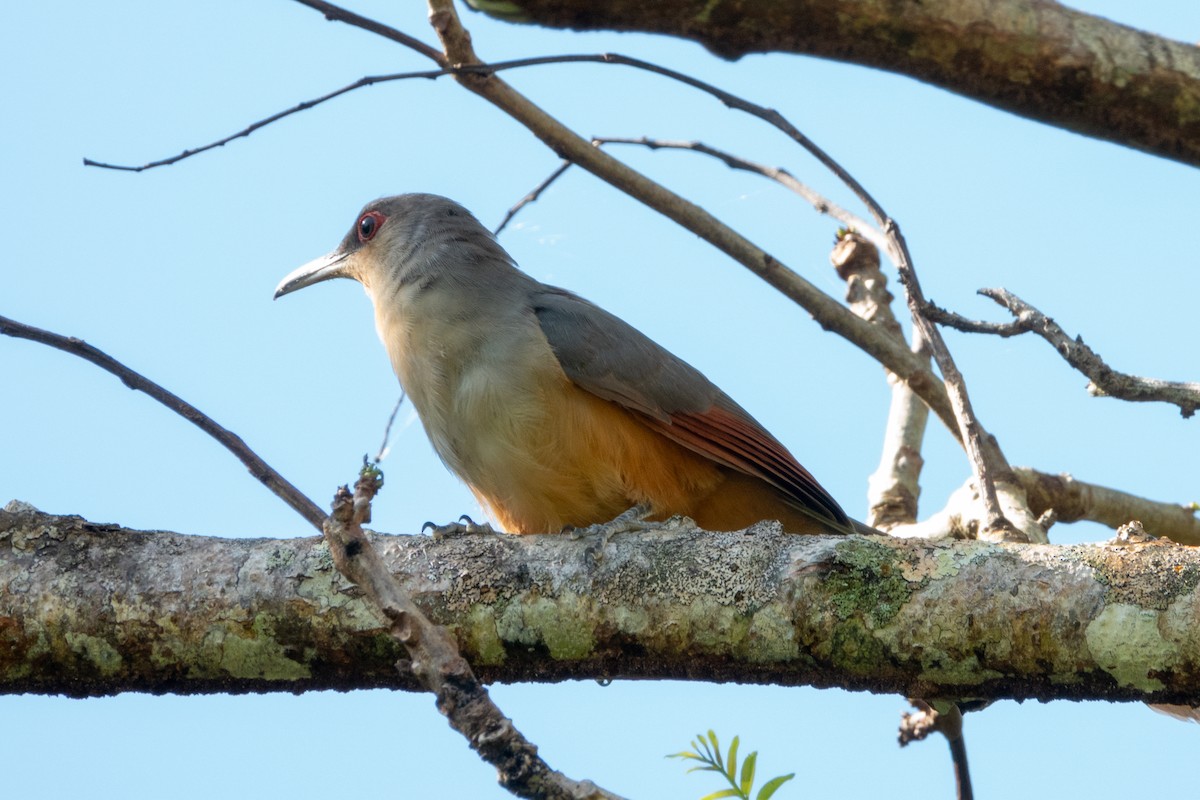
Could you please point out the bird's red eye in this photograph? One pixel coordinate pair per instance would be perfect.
(369, 225)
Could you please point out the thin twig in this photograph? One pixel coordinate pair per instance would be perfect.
(953, 319)
(370, 80)
(987, 460)
(387, 429)
(532, 196)
(435, 660)
(781, 176)
(338, 14)
(1105, 381)
(229, 440)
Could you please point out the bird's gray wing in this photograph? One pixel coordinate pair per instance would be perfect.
(606, 356)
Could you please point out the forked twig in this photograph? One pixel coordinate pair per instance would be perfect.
(387, 429)
(1105, 381)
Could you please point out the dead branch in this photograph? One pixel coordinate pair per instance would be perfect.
(894, 488)
(1072, 500)
(1105, 381)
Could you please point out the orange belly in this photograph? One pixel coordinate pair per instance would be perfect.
(583, 460)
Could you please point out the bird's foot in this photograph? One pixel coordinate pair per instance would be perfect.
(630, 521)
(465, 526)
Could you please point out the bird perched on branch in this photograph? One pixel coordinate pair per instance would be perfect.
(554, 412)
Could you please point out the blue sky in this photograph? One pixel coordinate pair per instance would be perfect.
(172, 271)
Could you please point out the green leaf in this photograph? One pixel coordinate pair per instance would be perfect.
(716, 749)
(684, 754)
(772, 785)
(731, 762)
(748, 773)
(722, 793)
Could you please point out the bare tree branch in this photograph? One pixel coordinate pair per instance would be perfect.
(1073, 500)
(1105, 381)
(1039, 58)
(894, 488)
(987, 460)
(260, 469)
(338, 14)
(370, 80)
(532, 195)
(817, 200)
(434, 658)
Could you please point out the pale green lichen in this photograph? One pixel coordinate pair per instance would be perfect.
(254, 653)
(631, 621)
(855, 649)
(280, 558)
(481, 638)
(871, 584)
(771, 637)
(1124, 639)
(715, 626)
(943, 559)
(168, 644)
(99, 653)
(554, 624)
(325, 590)
(1187, 107)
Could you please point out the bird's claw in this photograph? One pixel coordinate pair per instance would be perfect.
(631, 521)
(465, 526)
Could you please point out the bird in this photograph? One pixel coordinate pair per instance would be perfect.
(556, 414)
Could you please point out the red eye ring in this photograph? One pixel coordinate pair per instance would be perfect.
(368, 225)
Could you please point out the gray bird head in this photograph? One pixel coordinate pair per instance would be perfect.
(407, 238)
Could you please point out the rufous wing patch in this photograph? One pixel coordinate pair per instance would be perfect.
(738, 443)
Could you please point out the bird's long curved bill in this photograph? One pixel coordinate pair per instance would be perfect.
(330, 265)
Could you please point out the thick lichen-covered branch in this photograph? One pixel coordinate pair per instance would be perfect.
(90, 609)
